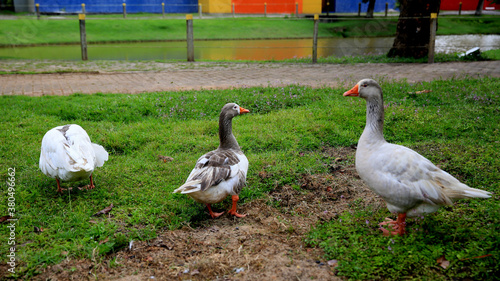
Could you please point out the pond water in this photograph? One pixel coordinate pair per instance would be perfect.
(242, 49)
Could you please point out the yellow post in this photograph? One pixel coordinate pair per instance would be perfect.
(315, 39)
(83, 8)
(432, 38)
(83, 36)
(190, 37)
(163, 9)
(37, 11)
(124, 10)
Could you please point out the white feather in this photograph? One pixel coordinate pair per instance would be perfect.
(68, 154)
(407, 181)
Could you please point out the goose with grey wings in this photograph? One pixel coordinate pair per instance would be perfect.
(221, 172)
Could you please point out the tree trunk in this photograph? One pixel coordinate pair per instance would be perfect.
(413, 30)
(371, 7)
(479, 8)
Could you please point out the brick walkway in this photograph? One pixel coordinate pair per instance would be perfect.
(173, 77)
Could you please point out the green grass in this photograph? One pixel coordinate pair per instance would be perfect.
(455, 126)
(439, 57)
(28, 30)
(492, 54)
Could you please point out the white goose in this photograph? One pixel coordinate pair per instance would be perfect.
(68, 155)
(221, 172)
(409, 183)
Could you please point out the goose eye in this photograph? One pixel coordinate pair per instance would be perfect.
(364, 85)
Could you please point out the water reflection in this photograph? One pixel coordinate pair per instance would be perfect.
(462, 43)
(242, 49)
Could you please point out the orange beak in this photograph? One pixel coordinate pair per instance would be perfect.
(352, 92)
(242, 110)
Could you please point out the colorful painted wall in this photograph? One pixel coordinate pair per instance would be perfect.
(115, 6)
(257, 6)
(350, 6)
(467, 5)
(216, 6)
(311, 7)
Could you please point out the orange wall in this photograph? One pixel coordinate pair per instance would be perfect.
(273, 6)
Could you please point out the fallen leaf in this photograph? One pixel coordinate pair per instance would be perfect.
(149, 259)
(165, 159)
(443, 262)
(5, 218)
(104, 211)
(195, 272)
(104, 241)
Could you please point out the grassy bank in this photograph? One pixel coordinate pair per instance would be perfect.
(47, 66)
(456, 126)
(26, 31)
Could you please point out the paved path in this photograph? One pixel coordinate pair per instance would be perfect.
(173, 77)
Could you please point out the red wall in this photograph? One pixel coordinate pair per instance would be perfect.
(467, 5)
(273, 6)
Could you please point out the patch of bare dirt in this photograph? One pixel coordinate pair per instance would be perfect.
(268, 244)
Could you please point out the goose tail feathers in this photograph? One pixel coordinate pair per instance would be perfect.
(476, 193)
(189, 187)
(101, 154)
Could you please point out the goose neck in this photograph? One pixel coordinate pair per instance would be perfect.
(226, 137)
(374, 120)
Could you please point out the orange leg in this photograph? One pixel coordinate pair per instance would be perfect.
(212, 214)
(233, 209)
(59, 189)
(397, 226)
(92, 186)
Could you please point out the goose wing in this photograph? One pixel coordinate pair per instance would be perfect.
(66, 149)
(217, 167)
(406, 179)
